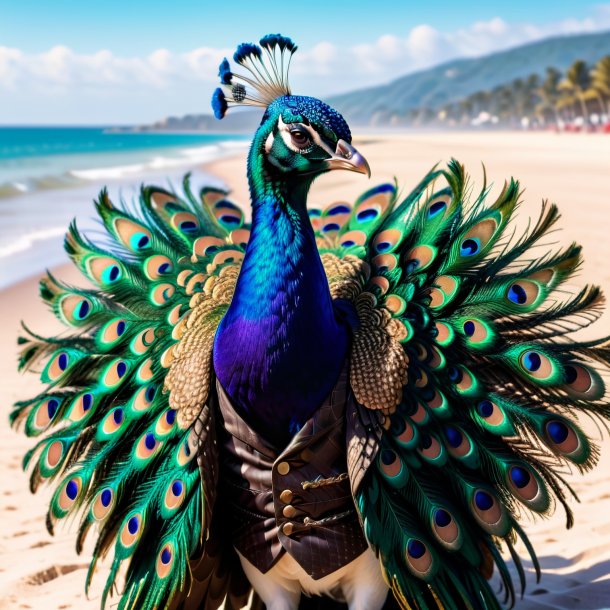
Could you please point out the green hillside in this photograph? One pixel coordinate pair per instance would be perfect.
(458, 79)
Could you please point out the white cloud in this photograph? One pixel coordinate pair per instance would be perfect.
(60, 67)
(88, 82)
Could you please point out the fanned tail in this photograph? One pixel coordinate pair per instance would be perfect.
(495, 385)
(113, 440)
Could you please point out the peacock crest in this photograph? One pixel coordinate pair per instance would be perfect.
(266, 76)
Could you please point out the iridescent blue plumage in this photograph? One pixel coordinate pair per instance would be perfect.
(267, 353)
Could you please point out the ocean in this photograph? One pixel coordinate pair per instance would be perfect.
(50, 175)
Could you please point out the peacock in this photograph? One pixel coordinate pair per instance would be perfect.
(358, 403)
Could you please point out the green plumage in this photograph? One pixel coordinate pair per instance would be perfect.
(494, 382)
(125, 464)
(486, 415)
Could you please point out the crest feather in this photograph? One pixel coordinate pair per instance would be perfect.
(266, 79)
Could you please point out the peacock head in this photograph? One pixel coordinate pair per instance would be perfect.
(299, 136)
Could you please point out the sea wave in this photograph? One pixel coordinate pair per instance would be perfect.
(182, 158)
(25, 242)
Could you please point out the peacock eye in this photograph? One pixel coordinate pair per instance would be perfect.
(300, 138)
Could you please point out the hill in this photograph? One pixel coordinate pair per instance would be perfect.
(459, 78)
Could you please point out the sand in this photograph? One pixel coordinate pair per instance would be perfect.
(44, 573)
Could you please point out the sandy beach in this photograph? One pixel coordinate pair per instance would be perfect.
(39, 572)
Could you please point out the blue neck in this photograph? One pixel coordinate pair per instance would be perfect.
(279, 349)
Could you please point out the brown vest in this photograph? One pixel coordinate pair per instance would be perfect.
(300, 500)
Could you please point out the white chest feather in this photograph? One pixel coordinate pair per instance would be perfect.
(359, 583)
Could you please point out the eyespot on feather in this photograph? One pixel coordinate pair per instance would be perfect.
(467, 384)
(132, 530)
(57, 366)
(142, 342)
(396, 304)
(186, 450)
(145, 371)
(174, 497)
(227, 256)
(438, 403)
(240, 237)
(380, 284)
(75, 309)
(419, 559)
(339, 212)
(437, 207)
(147, 447)
(161, 294)
(142, 400)
(132, 235)
(111, 424)
(52, 458)
(526, 486)
(420, 257)
(104, 270)
(432, 450)
(165, 423)
(384, 262)
(493, 418)
(418, 413)
(103, 504)
(583, 382)
(173, 317)
(524, 293)
(185, 222)
(481, 233)
(42, 415)
(115, 373)
(353, 238)
(111, 332)
(392, 468)
(446, 288)
(404, 432)
(457, 442)
(564, 438)
(446, 529)
(165, 560)
(69, 493)
(157, 266)
(477, 333)
(536, 365)
(369, 210)
(206, 246)
(81, 407)
(489, 513)
(437, 359)
(387, 241)
(228, 215)
(444, 333)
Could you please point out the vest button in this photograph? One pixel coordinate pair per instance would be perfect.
(283, 468)
(289, 511)
(286, 496)
(287, 529)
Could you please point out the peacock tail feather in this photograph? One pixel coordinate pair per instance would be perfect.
(122, 417)
(464, 346)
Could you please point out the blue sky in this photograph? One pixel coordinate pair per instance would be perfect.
(123, 61)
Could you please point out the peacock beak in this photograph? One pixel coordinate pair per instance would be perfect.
(347, 157)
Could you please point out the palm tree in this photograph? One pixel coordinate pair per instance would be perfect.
(577, 83)
(549, 94)
(601, 80)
